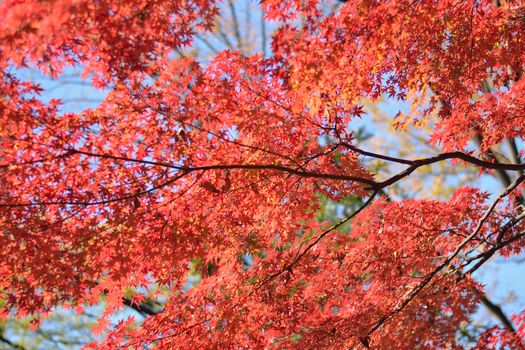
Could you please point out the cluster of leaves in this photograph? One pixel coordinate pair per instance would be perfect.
(216, 170)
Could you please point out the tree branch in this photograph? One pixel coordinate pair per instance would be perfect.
(10, 343)
(142, 308)
(498, 312)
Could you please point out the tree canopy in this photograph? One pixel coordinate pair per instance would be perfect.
(220, 169)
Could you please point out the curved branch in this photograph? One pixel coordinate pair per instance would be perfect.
(415, 164)
(10, 343)
(498, 312)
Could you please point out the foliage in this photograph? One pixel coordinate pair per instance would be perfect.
(225, 171)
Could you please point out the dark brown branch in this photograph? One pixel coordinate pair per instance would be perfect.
(10, 343)
(239, 167)
(415, 164)
(142, 308)
(498, 312)
(372, 185)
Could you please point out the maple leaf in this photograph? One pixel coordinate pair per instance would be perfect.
(202, 183)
